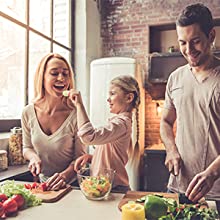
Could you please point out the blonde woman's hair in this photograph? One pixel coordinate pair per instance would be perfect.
(39, 90)
(129, 84)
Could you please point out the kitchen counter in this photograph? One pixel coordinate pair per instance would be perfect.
(74, 206)
(13, 171)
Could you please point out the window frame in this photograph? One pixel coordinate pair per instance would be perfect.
(7, 124)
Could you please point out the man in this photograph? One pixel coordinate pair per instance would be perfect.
(193, 101)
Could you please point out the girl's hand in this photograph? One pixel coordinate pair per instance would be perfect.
(75, 97)
(81, 161)
(35, 165)
(56, 182)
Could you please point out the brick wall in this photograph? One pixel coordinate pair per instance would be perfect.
(125, 33)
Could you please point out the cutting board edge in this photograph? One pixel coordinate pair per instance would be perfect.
(55, 198)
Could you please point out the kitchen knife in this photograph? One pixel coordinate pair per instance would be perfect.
(177, 182)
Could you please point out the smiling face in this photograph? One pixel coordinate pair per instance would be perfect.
(118, 100)
(56, 77)
(194, 44)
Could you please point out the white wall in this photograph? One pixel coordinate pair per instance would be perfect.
(88, 43)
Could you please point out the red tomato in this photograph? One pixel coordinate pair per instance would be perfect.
(19, 199)
(43, 186)
(10, 206)
(34, 185)
(2, 211)
(27, 186)
(3, 197)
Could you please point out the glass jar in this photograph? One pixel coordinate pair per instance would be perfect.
(3, 160)
(15, 147)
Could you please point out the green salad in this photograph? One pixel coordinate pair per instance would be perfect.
(95, 186)
(185, 211)
(191, 212)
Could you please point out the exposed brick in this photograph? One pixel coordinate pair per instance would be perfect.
(125, 30)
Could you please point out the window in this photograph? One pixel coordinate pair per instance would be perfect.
(29, 29)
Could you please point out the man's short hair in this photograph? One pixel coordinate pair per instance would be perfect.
(199, 14)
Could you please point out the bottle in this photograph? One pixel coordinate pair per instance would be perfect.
(171, 49)
(15, 147)
(3, 160)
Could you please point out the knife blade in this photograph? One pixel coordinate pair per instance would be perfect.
(177, 182)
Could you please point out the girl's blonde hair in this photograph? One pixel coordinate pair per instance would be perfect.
(129, 84)
(39, 90)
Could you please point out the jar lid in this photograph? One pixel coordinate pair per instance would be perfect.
(16, 130)
(2, 152)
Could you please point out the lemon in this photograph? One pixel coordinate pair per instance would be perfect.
(155, 207)
(133, 211)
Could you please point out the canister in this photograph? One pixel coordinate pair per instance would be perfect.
(3, 160)
(15, 147)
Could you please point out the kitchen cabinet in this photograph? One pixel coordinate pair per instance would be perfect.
(155, 173)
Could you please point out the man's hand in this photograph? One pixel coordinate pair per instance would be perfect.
(173, 162)
(200, 186)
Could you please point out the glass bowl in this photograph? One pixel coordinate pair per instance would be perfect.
(95, 187)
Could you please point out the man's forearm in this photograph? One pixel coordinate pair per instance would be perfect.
(167, 136)
(214, 168)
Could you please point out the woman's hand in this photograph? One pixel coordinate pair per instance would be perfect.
(81, 161)
(56, 182)
(35, 165)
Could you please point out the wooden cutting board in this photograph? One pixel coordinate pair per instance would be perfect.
(133, 195)
(51, 196)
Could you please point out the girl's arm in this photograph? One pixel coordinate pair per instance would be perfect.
(82, 116)
(116, 128)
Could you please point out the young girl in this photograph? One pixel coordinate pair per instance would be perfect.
(113, 141)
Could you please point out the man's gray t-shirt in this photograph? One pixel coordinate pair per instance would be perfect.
(197, 106)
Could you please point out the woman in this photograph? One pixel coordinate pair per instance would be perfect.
(50, 140)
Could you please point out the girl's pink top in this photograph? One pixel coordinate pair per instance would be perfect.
(111, 145)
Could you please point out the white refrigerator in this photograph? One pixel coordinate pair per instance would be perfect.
(101, 72)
